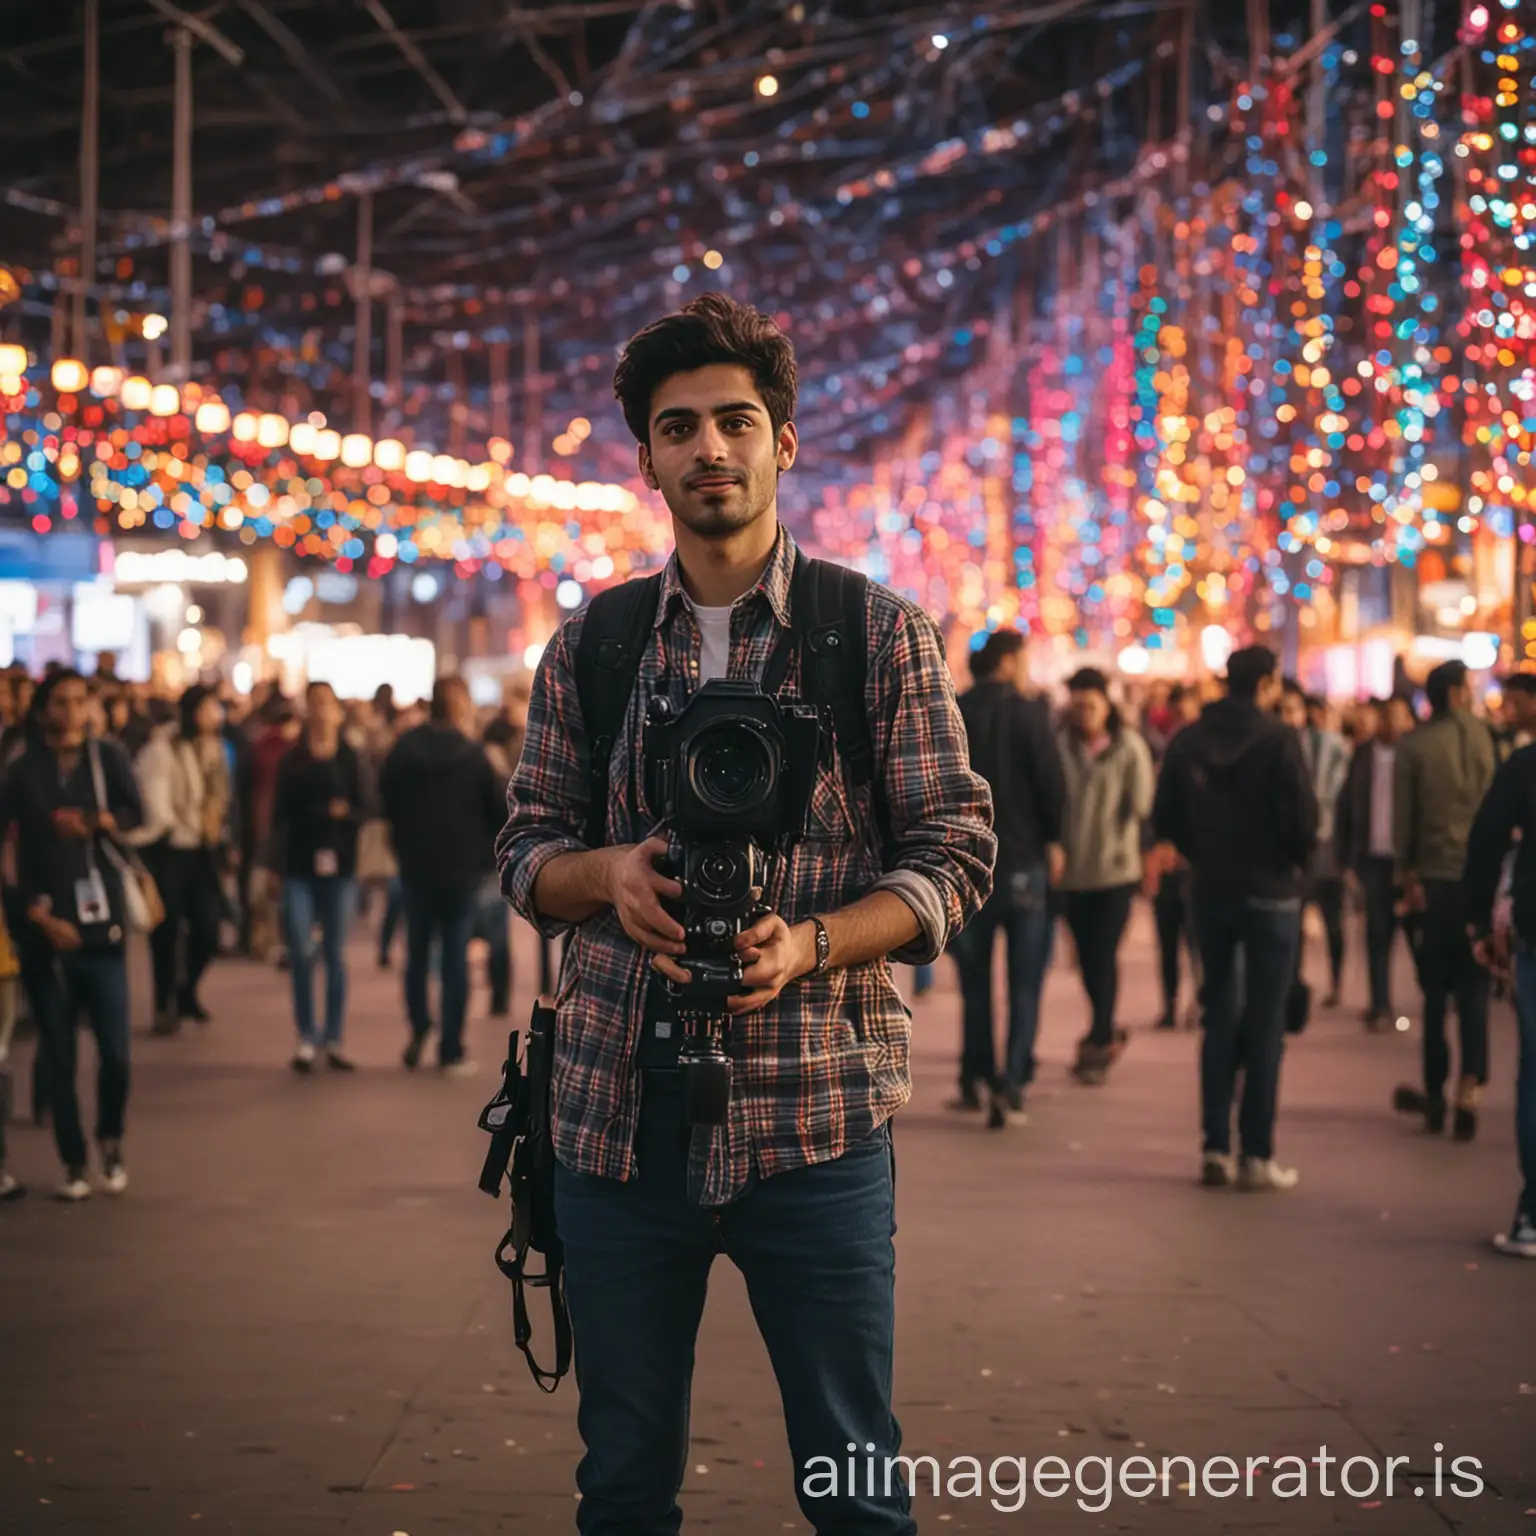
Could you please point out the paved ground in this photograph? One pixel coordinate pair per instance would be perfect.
(292, 1324)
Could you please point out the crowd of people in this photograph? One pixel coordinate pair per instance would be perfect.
(265, 826)
(258, 825)
(1235, 811)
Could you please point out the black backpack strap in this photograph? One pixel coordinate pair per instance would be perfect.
(829, 606)
(613, 636)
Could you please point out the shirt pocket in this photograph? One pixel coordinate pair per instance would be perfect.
(831, 818)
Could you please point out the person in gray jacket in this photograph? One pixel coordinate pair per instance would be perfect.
(1110, 786)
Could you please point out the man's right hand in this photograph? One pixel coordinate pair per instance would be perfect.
(636, 887)
(60, 934)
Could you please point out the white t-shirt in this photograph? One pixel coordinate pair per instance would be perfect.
(715, 633)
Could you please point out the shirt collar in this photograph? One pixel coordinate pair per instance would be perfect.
(773, 583)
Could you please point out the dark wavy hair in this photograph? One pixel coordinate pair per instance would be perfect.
(187, 707)
(712, 329)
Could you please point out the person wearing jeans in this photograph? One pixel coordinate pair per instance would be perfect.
(1365, 832)
(70, 799)
(1022, 911)
(1012, 747)
(325, 900)
(1507, 820)
(1249, 952)
(1235, 800)
(815, 1248)
(444, 806)
(321, 801)
(1110, 784)
(796, 1186)
(1441, 774)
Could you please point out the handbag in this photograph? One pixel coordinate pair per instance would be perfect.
(142, 905)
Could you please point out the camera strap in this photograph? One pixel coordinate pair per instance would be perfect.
(522, 1150)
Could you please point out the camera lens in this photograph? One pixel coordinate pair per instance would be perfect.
(731, 769)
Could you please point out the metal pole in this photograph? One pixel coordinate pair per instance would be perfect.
(90, 113)
(501, 389)
(362, 352)
(394, 350)
(181, 212)
(1317, 107)
(533, 404)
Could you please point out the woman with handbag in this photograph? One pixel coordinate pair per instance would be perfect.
(69, 799)
(184, 777)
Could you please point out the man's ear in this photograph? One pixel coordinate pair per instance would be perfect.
(647, 473)
(789, 446)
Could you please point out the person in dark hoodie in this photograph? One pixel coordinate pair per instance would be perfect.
(1236, 800)
(1506, 820)
(1012, 747)
(444, 808)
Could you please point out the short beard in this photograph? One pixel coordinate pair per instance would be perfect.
(716, 517)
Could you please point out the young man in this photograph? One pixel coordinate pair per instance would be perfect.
(1364, 829)
(1013, 749)
(444, 807)
(1510, 809)
(1443, 770)
(1236, 800)
(798, 1188)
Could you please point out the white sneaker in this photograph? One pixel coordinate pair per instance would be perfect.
(1218, 1171)
(74, 1188)
(115, 1179)
(1264, 1173)
(463, 1067)
(1520, 1241)
(304, 1057)
(9, 1188)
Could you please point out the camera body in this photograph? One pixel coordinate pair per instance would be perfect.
(732, 773)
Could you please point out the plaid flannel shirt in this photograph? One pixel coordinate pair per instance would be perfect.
(826, 1062)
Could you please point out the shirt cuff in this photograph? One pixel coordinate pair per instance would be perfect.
(928, 906)
(520, 873)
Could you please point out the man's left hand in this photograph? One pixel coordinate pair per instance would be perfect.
(772, 953)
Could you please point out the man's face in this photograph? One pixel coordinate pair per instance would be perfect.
(1396, 720)
(1367, 723)
(713, 454)
(1521, 707)
(1293, 711)
(68, 710)
(1089, 712)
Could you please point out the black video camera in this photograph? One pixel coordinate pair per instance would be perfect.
(732, 773)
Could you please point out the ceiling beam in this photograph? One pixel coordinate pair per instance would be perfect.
(417, 60)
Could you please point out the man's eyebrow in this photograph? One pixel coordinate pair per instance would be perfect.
(687, 413)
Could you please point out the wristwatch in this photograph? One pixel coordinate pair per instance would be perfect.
(823, 946)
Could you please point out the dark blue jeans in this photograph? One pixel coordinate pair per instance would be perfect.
(446, 918)
(61, 988)
(492, 925)
(1525, 1080)
(326, 899)
(814, 1245)
(1248, 949)
(1021, 909)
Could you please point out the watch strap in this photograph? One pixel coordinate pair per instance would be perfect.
(823, 946)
